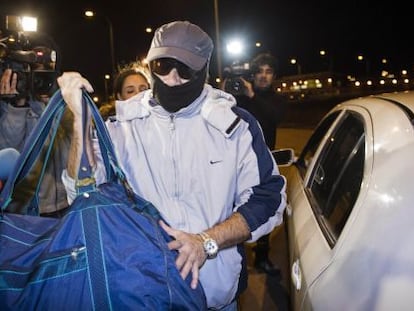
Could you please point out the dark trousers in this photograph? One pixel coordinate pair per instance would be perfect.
(262, 248)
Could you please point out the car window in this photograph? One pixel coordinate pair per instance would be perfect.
(337, 175)
(312, 145)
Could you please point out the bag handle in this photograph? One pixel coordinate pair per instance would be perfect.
(46, 128)
(85, 180)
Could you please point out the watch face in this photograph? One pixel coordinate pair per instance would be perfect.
(211, 248)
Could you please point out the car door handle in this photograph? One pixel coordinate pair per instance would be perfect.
(288, 210)
(296, 275)
(320, 175)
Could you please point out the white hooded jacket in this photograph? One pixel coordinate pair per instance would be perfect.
(198, 166)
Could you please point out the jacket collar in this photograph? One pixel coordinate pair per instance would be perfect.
(132, 108)
(214, 105)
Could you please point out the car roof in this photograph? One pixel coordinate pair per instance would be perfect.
(387, 109)
(403, 98)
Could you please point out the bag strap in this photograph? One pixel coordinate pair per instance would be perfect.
(85, 181)
(46, 128)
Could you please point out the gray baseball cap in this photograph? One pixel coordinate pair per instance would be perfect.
(182, 41)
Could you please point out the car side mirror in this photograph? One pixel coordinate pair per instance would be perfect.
(284, 157)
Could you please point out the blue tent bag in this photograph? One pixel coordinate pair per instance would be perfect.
(107, 253)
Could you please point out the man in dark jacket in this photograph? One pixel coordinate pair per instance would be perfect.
(269, 108)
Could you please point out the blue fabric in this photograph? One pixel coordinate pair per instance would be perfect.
(230, 307)
(8, 158)
(107, 253)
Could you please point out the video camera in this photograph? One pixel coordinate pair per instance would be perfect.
(27, 56)
(233, 74)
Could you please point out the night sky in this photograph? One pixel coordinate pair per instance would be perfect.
(285, 28)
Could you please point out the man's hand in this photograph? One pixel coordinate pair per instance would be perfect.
(8, 83)
(248, 88)
(71, 85)
(191, 255)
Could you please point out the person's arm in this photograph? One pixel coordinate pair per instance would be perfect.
(8, 89)
(76, 148)
(248, 88)
(191, 254)
(234, 230)
(71, 85)
(255, 216)
(263, 208)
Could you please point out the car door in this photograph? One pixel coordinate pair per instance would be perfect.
(322, 189)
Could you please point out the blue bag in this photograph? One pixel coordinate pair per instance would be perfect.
(107, 253)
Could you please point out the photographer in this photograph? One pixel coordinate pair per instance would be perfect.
(269, 108)
(18, 115)
(27, 80)
(28, 72)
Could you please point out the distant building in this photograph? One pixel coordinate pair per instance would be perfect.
(320, 85)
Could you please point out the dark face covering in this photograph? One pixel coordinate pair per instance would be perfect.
(173, 98)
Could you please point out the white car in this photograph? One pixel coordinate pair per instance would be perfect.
(350, 213)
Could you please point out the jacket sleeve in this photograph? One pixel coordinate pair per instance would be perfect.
(261, 196)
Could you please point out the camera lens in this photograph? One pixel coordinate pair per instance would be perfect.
(42, 81)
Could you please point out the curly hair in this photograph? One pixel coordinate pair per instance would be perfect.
(264, 59)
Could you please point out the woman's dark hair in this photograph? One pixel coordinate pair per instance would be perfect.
(264, 59)
(123, 74)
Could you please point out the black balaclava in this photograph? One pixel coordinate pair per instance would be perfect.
(173, 98)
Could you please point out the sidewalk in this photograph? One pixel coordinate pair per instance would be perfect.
(293, 138)
(265, 293)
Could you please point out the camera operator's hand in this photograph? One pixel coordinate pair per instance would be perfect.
(248, 88)
(71, 85)
(8, 83)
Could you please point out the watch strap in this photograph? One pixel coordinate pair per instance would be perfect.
(204, 236)
(209, 244)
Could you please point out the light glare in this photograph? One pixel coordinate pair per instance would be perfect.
(235, 47)
(29, 23)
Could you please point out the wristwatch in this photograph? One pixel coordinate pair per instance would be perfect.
(210, 245)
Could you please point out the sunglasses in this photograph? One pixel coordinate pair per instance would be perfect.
(163, 66)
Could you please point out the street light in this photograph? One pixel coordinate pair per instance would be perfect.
(91, 14)
(293, 61)
(325, 55)
(362, 58)
(235, 47)
(106, 79)
(218, 50)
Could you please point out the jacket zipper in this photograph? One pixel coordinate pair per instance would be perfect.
(173, 154)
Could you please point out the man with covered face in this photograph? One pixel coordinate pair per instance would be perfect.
(186, 147)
